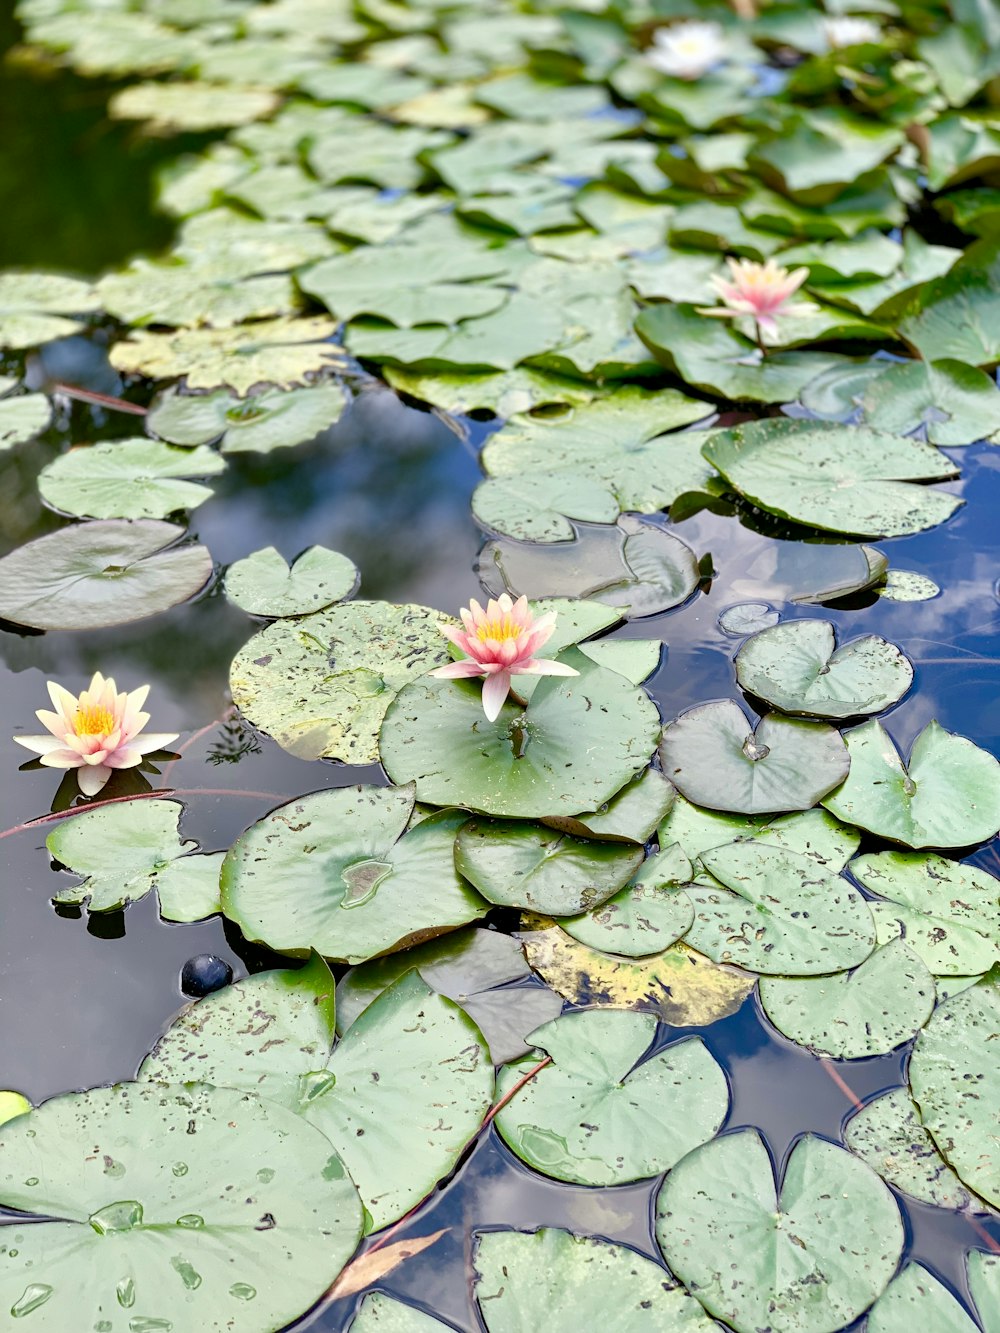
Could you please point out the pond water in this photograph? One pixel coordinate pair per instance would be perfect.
(84, 995)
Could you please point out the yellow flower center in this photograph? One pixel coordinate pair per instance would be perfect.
(92, 720)
(499, 629)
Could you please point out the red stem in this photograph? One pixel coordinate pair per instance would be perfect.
(99, 399)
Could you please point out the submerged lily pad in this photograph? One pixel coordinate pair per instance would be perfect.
(274, 419)
(948, 795)
(809, 1262)
(154, 1206)
(603, 1115)
(798, 669)
(576, 744)
(132, 478)
(96, 574)
(399, 1096)
(264, 585)
(713, 756)
(888, 1134)
(354, 882)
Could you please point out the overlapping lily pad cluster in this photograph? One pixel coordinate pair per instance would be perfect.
(519, 210)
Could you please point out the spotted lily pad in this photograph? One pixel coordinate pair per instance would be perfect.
(264, 585)
(645, 917)
(603, 1115)
(711, 755)
(131, 478)
(948, 795)
(798, 669)
(171, 1203)
(888, 1134)
(398, 1097)
(917, 1299)
(95, 574)
(631, 815)
(379, 1313)
(274, 419)
(809, 1261)
(355, 883)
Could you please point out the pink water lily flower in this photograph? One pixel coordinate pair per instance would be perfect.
(501, 642)
(762, 291)
(95, 733)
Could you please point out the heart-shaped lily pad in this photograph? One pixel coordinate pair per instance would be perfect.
(398, 1098)
(713, 756)
(354, 883)
(576, 744)
(96, 574)
(948, 795)
(133, 478)
(273, 419)
(888, 1134)
(645, 917)
(798, 669)
(264, 585)
(810, 1262)
(170, 1205)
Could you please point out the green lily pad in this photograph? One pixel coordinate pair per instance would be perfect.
(123, 850)
(838, 478)
(555, 1280)
(945, 402)
(811, 833)
(575, 746)
(322, 690)
(635, 659)
(355, 883)
(34, 307)
(777, 912)
(538, 507)
(191, 294)
(798, 669)
(132, 478)
(916, 1297)
(887, 1133)
(514, 864)
(602, 1115)
(748, 618)
(903, 585)
(274, 419)
(505, 394)
(948, 795)
(954, 317)
(167, 1204)
(95, 574)
(645, 917)
(23, 417)
(817, 153)
(809, 1262)
(955, 1082)
(264, 585)
(398, 1098)
(984, 1283)
(852, 1015)
(169, 107)
(715, 758)
(631, 815)
(948, 913)
(379, 1313)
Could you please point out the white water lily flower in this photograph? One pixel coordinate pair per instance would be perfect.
(688, 50)
(847, 31)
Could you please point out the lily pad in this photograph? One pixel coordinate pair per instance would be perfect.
(748, 618)
(714, 758)
(852, 1015)
(354, 882)
(34, 307)
(274, 419)
(23, 417)
(809, 1262)
(955, 1082)
(379, 1313)
(645, 917)
(171, 1203)
(538, 507)
(96, 574)
(917, 1299)
(322, 690)
(189, 294)
(398, 1098)
(514, 864)
(635, 659)
(555, 1280)
(838, 478)
(131, 478)
(944, 402)
(903, 585)
(948, 913)
(603, 1115)
(123, 850)
(168, 107)
(948, 795)
(631, 815)
(575, 745)
(812, 833)
(954, 317)
(888, 1134)
(798, 669)
(264, 585)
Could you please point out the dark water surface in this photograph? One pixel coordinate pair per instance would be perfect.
(83, 998)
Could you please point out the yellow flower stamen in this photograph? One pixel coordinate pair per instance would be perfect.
(91, 720)
(499, 629)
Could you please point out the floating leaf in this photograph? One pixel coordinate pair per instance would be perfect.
(955, 1082)
(274, 419)
(264, 585)
(711, 755)
(603, 1115)
(168, 1175)
(379, 1313)
(189, 294)
(505, 394)
(807, 1263)
(903, 585)
(888, 1134)
(917, 1298)
(954, 317)
(322, 690)
(645, 917)
(948, 795)
(838, 478)
(554, 1280)
(538, 507)
(869, 1011)
(169, 107)
(23, 417)
(354, 883)
(131, 478)
(944, 402)
(96, 574)
(576, 744)
(631, 815)
(635, 659)
(748, 618)
(798, 669)
(34, 307)
(811, 833)
(797, 571)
